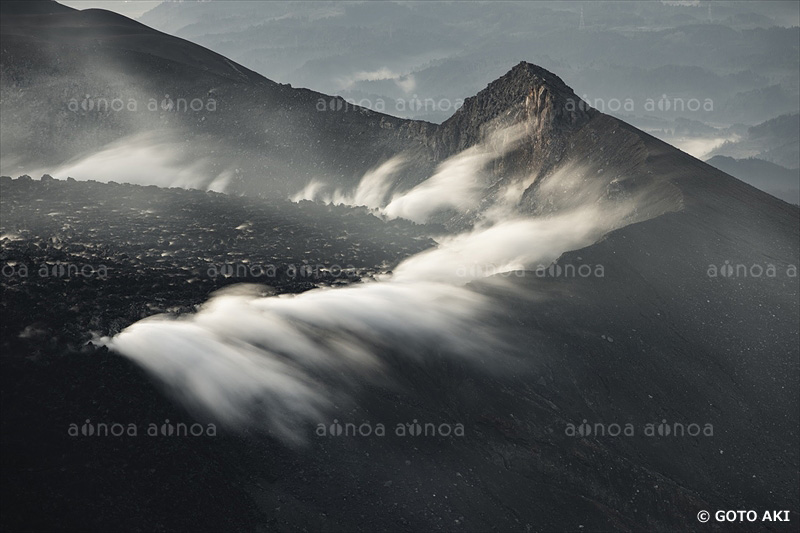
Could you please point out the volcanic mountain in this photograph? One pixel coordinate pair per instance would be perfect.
(630, 359)
(74, 82)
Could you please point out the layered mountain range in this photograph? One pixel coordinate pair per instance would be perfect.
(93, 92)
(587, 280)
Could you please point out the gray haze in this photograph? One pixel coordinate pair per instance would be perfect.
(650, 63)
(719, 80)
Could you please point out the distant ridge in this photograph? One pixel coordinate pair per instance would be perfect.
(33, 7)
(269, 139)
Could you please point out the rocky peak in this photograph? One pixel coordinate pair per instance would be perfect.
(527, 93)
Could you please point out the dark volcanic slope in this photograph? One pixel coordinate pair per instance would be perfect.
(138, 251)
(152, 240)
(74, 82)
(781, 182)
(655, 339)
(62, 70)
(694, 321)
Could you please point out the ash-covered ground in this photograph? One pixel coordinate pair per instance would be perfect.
(656, 341)
(86, 259)
(114, 253)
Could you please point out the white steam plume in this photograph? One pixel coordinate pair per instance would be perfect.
(147, 159)
(458, 183)
(374, 187)
(283, 362)
(371, 192)
(516, 244)
(309, 192)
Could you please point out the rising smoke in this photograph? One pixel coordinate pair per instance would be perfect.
(152, 158)
(281, 363)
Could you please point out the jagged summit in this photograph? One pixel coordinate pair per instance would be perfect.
(527, 92)
(528, 83)
(537, 89)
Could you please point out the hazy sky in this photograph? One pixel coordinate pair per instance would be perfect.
(129, 8)
(135, 8)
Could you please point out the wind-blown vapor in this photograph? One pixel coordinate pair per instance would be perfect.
(148, 159)
(458, 183)
(515, 244)
(283, 362)
(371, 192)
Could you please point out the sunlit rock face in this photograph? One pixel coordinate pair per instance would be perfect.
(527, 93)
